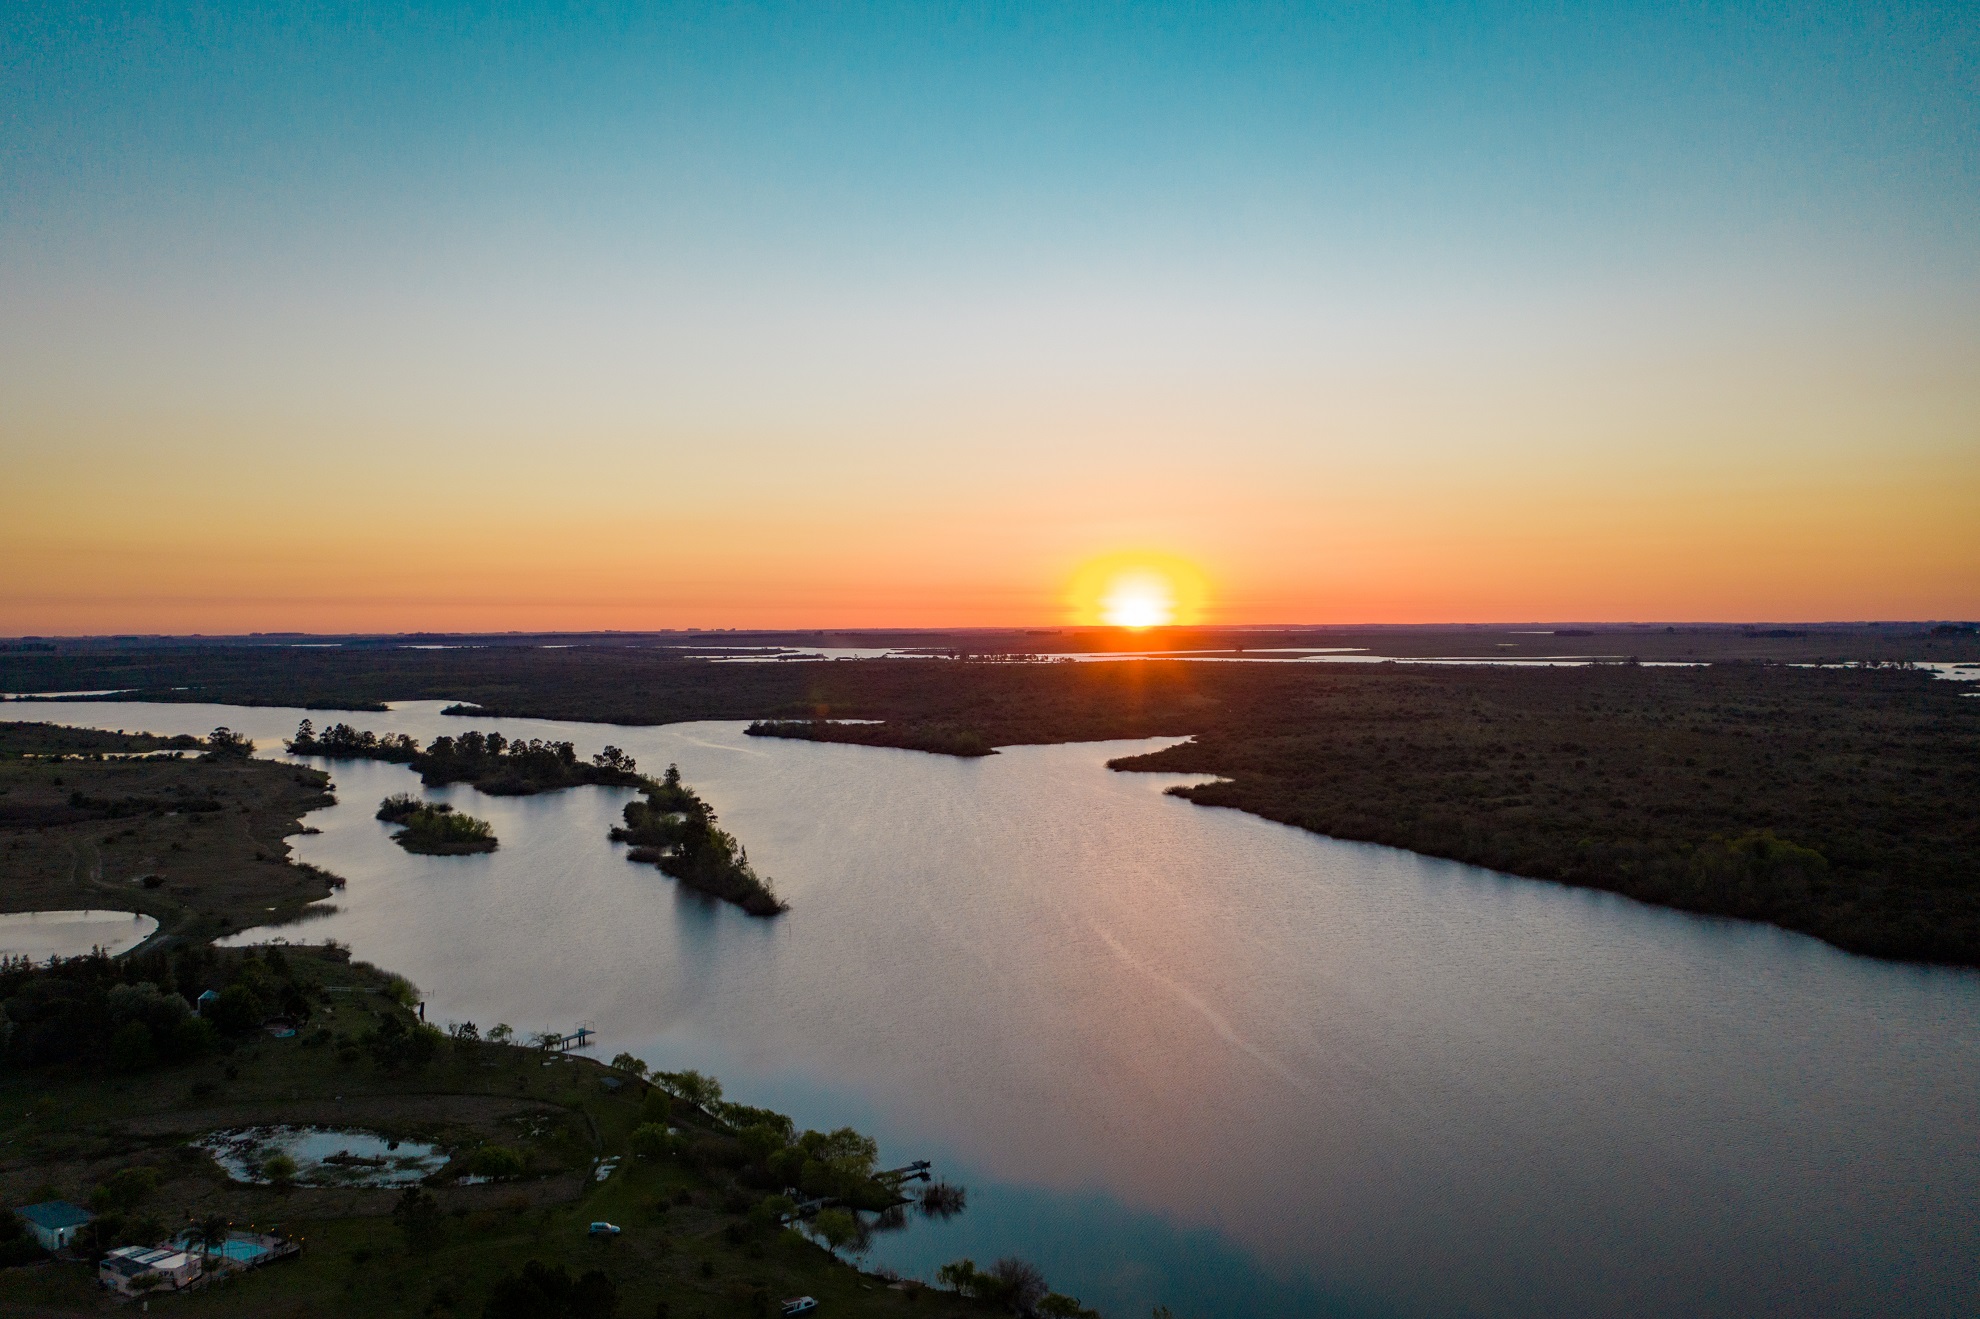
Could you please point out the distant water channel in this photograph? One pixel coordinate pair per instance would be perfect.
(1189, 1057)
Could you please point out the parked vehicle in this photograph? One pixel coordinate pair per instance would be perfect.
(604, 1229)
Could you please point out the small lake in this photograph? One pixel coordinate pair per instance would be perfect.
(1189, 1057)
(324, 1156)
(45, 934)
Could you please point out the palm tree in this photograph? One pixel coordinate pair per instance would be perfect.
(209, 1232)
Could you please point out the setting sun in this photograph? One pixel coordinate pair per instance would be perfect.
(1140, 599)
(1137, 591)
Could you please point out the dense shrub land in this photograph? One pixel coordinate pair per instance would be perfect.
(1837, 803)
(196, 842)
(1705, 787)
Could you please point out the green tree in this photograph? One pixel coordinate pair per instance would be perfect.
(280, 1170)
(497, 1162)
(131, 1049)
(835, 1227)
(540, 1291)
(840, 1162)
(770, 1211)
(237, 1010)
(223, 743)
(651, 1141)
(760, 1142)
(211, 1233)
(396, 1046)
(1019, 1284)
(692, 1087)
(418, 1216)
(1065, 1307)
(959, 1276)
(124, 1190)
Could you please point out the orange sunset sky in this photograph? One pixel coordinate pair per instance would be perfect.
(505, 325)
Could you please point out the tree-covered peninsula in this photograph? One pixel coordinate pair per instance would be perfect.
(435, 828)
(489, 761)
(676, 830)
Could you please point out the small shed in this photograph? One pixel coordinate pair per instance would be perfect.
(54, 1222)
(205, 1001)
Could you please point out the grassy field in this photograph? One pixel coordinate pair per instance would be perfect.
(197, 843)
(688, 1247)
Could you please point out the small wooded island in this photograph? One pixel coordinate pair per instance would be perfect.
(673, 828)
(435, 828)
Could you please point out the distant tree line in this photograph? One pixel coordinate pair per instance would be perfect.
(343, 742)
(942, 739)
(490, 761)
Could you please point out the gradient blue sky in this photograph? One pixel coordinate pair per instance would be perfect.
(837, 314)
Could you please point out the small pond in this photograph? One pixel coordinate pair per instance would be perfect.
(324, 1156)
(44, 934)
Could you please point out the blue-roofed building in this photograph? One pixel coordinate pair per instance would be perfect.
(54, 1223)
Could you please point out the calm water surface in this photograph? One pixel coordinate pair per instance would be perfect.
(1186, 1056)
(39, 935)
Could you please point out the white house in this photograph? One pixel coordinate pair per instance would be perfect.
(133, 1269)
(54, 1223)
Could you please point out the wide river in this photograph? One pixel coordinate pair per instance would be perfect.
(1185, 1056)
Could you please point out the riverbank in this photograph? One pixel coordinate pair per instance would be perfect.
(529, 1128)
(199, 843)
(1030, 969)
(1819, 800)
(115, 1089)
(1662, 783)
